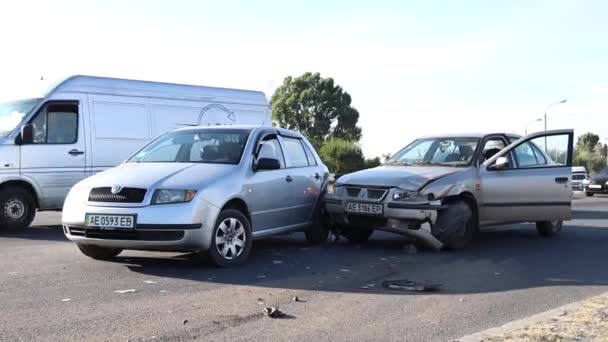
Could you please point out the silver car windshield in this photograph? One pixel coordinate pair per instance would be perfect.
(12, 113)
(437, 151)
(213, 146)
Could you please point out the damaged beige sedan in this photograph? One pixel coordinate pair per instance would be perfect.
(441, 190)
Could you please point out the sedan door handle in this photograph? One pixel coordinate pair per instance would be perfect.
(288, 179)
(561, 180)
(75, 152)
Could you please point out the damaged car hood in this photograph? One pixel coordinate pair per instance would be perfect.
(405, 177)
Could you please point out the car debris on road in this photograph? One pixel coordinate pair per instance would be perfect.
(408, 285)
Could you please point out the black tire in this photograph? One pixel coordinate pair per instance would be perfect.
(455, 226)
(318, 231)
(357, 234)
(17, 208)
(99, 253)
(235, 255)
(589, 194)
(548, 228)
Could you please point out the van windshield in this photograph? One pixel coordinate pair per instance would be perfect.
(11, 114)
(214, 146)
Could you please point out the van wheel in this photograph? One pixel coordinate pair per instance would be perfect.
(356, 234)
(17, 208)
(549, 228)
(455, 226)
(232, 240)
(99, 253)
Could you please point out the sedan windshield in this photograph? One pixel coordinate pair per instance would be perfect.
(437, 151)
(215, 146)
(11, 114)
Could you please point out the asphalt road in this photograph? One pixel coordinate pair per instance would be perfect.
(49, 291)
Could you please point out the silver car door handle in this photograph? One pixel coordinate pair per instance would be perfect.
(288, 179)
(75, 152)
(561, 180)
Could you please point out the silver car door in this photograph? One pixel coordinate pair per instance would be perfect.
(535, 185)
(270, 193)
(302, 175)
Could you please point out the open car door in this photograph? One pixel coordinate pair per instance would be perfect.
(529, 180)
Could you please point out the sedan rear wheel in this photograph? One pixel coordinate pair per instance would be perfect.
(549, 228)
(232, 239)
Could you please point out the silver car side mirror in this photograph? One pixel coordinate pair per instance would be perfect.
(501, 163)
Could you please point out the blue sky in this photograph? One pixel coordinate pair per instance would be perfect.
(412, 68)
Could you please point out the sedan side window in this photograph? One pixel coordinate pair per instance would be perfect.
(528, 156)
(270, 148)
(492, 147)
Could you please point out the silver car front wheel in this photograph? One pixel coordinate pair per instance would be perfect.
(232, 239)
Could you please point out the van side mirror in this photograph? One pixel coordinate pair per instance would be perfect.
(267, 164)
(500, 164)
(27, 135)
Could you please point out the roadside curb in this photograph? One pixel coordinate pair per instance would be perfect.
(527, 321)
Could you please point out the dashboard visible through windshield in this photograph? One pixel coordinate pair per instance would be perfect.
(437, 151)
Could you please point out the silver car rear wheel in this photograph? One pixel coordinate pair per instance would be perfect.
(549, 228)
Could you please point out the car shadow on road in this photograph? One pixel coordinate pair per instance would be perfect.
(498, 261)
(42, 233)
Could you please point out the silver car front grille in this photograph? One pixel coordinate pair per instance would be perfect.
(366, 194)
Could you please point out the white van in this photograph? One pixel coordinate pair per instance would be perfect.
(87, 124)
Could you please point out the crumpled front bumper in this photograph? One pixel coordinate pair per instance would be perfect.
(410, 219)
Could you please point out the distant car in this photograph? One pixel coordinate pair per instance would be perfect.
(598, 184)
(210, 189)
(579, 175)
(441, 189)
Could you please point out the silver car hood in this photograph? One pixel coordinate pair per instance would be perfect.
(405, 177)
(160, 175)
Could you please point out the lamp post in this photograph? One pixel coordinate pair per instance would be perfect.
(546, 109)
(531, 122)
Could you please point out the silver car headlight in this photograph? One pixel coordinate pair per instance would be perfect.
(166, 196)
(412, 196)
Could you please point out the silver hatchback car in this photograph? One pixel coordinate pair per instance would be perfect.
(442, 189)
(211, 189)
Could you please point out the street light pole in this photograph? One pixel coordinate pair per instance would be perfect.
(531, 122)
(546, 109)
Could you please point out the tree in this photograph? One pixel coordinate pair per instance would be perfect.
(316, 107)
(587, 142)
(342, 156)
(590, 153)
(374, 162)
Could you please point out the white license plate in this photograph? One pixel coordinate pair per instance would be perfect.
(595, 186)
(364, 208)
(110, 221)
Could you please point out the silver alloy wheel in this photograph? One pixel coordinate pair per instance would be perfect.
(556, 225)
(14, 209)
(230, 238)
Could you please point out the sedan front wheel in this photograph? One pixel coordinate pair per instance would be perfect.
(549, 228)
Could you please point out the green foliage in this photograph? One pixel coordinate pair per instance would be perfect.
(374, 162)
(592, 161)
(587, 142)
(342, 156)
(315, 107)
(590, 153)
